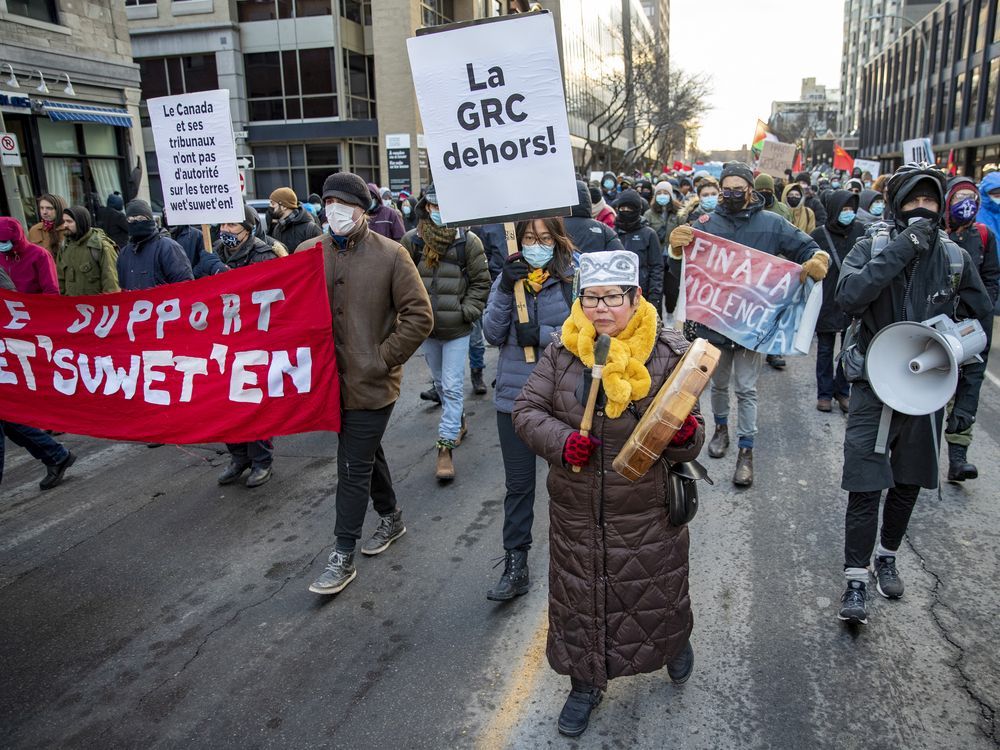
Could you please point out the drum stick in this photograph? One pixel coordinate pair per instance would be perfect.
(601, 348)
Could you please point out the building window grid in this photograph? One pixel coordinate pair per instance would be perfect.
(169, 76)
(437, 12)
(359, 11)
(359, 77)
(271, 10)
(286, 98)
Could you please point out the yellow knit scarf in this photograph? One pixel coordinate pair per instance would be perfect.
(625, 376)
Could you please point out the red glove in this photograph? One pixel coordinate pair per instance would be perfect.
(579, 448)
(686, 431)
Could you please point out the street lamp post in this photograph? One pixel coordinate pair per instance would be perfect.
(921, 114)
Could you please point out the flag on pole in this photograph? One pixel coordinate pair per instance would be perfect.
(952, 166)
(760, 135)
(842, 159)
(797, 164)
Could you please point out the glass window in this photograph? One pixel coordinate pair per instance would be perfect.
(297, 154)
(319, 106)
(957, 96)
(307, 8)
(290, 69)
(200, 73)
(256, 10)
(982, 25)
(269, 157)
(996, 27)
(992, 84)
(263, 74)
(972, 104)
(153, 74)
(99, 140)
(175, 79)
(323, 154)
(57, 137)
(64, 177)
(318, 73)
(139, 2)
(285, 9)
(40, 10)
(293, 109)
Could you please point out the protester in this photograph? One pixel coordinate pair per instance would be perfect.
(87, 262)
(382, 219)
(810, 200)
(910, 278)
(644, 188)
(639, 238)
(836, 238)
(854, 185)
(317, 205)
(803, 217)
(705, 201)
(979, 241)
(29, 266)
(740, 217)
(203, 262)
(381, 314)
(112, 220)
(599, 208)
(662, 213)
(764, 184)
(587, 233)
(609, 188)
(618, 597)
(452, 265)
(151, 258)
(870, 206)
(544, 263)
(55, 456)
(989, 205)
(291, 224)
(46, 233)
(406, 207)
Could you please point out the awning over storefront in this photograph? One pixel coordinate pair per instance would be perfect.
(66, 112)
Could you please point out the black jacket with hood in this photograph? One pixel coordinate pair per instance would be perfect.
(641, 239)
(837, 240)
(295, 228)
(588, 234)
(865, 216)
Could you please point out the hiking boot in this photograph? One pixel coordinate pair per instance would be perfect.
(720, 441)
(514, 579)
(445, 471)
(743, 476)
(844, 402)
(887, 580)
(682, 665)
(959, 468)
(339, 572)
(575, 714)
(390, 528)
(234, 472)
(259, 475)
(852, 604)
(478, 386)
(54, 473)
(776, 361)
(824, 404)
(431, 394)
(463, 430)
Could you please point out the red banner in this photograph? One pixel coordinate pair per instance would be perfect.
(239, 356)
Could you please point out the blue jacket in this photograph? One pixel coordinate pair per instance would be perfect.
(989, 212)
(152, 262)
(202, 263)
(549, 309)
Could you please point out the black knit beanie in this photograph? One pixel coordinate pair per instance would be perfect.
(139, 207)
(737, 169)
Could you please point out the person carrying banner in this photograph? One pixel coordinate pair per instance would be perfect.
(545, 263)
(381, 315)
(452, 265)
(618, 570)
(841, 231)
(46, 233)
(638, 237)
(909, 276)
(290, 223)
(151, 258)
(979, 241)
(238, 246)
(30, 266)
(741, 218)
(87, 261)
(55, 456)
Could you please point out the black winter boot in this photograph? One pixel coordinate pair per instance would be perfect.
(514, 580)
(682, 665)
(959, 469)
(478, 386)
(719, 444)
(575, 713)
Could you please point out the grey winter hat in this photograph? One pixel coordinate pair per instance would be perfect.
(347, 187)
(737, 169)
(139, 207)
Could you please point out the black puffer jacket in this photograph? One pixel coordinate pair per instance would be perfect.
(458, 292)
(643, 242)
(294, 229)
(837, 240)
(588, 234)
(253, 250)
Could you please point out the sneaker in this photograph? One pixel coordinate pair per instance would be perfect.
(887, 580)
(390, 528)
(575, 714)
(54, 474)
(852, 603)
(682, 665)
(339, 572)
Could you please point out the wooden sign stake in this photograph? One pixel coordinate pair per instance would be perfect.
(520, 301)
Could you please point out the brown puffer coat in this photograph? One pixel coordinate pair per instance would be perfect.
(618, 571)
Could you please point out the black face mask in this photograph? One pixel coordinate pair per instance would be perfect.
(793, 200)
(628, 218)
(768, 198)
(918, 213)
(734, 203)
(140, 230)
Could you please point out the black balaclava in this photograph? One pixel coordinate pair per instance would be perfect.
(927, 189)
(142, 227)
(628, 207)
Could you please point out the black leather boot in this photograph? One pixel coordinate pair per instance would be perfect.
(682, 665)
(959, 468)
(478, 386)
(743, 476)
(719, 444)
(575, 713)
(514, 579)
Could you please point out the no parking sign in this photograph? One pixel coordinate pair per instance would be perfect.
(10, 154)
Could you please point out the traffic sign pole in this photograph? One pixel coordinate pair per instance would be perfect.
(10, 186)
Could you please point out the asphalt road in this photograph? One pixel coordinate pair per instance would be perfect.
(143, 606)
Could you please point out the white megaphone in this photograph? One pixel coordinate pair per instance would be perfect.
(913, 367)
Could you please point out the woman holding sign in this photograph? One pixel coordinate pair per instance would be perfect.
(618, 571)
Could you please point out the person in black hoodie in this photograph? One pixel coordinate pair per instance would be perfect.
(291, 224)
(638, 237)
(810, 198)
(837, 236)
(588, 234)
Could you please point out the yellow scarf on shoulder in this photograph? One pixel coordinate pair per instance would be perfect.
(625, 376)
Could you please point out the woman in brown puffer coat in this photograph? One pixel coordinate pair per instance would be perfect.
(618, 571)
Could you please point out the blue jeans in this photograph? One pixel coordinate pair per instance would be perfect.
(830, 382)
(477, 347)
(37, 442)
(446, 360)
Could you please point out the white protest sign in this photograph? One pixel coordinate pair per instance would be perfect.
(776, 157)
(494, 113)
(868, 165)
(196, 154)
(918, 150)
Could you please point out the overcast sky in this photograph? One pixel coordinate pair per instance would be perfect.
(755, 52)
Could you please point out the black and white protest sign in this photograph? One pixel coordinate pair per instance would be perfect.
(491, 99)
(397, 157)
(196, 154)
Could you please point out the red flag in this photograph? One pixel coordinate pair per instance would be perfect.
(797, 164)
(678, 166)
(842, 159)
(952, 166)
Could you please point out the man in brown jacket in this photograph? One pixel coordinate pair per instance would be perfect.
(381, 315)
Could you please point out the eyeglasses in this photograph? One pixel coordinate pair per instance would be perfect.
(727, 193)
(531, 239)
(134, 219)
(609, 300)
